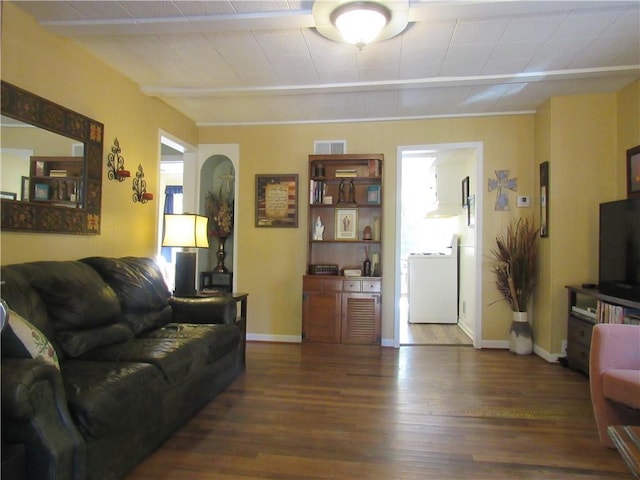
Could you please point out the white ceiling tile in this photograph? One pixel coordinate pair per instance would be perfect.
(478, 32)
(247, 68)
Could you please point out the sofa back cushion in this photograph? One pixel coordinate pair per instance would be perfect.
(23, 299)
(83, 309)
(140, 287)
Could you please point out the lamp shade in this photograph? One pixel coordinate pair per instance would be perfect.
(185, 230)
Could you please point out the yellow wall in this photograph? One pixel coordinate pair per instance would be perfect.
(583, 137)
(58, 70)
(628, 129)
(271, 262)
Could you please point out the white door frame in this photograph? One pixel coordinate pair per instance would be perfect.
(478, 146)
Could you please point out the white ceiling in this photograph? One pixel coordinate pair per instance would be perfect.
(251, 62)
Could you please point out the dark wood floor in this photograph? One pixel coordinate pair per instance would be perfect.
(348, 412)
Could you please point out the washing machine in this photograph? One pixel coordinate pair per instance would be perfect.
(433, 286)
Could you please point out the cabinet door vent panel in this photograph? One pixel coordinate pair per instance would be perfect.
(360, 327)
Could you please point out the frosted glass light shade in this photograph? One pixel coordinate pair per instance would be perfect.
(185, 230)
(361, 25)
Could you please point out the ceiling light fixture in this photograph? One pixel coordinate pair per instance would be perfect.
(360, 22)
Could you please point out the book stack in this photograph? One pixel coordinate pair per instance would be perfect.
(346, 172)
(607, 313)
(317, 190)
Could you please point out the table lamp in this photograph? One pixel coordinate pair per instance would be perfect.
(188, 231)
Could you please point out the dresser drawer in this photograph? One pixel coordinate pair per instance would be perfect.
(352, 286)
(371, 286)
(578, 356)
(580, 331)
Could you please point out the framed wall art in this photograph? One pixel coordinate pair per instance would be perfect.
(465, 192)
(346, 224)
(544, 199)
(277, 200)
(633, 172)
(471, 211)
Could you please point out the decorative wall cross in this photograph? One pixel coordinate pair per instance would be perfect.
(503, 183)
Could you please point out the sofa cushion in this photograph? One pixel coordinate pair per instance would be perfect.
(176, 358)
(622, 386)
(217, 339)
(140, 287)
(22, 298)
(77, 342)
(108, 397)
(74, 294)
(21, 339)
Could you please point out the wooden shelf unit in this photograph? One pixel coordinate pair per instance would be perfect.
(580, 326)
(57, 180)
(338, 309)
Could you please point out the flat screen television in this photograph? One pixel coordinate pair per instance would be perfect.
(619, 259)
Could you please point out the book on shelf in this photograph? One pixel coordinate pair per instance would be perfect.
(587, 313)
(608, 313)
(346, 172)
(317, 190)
(57, 173)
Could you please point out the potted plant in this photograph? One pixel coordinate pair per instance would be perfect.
(515, 265)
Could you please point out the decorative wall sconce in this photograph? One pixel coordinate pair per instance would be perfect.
(140, 193)
(115, 163)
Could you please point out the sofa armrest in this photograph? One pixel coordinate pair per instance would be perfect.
(204, 309)
(613, 346)
(35, 413)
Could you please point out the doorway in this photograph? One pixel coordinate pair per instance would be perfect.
(435, 229)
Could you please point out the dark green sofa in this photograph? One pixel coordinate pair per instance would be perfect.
(133, 363)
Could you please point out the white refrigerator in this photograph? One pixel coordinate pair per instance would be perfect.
(433, 287)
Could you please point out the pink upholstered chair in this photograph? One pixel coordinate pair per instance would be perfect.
(614, 377)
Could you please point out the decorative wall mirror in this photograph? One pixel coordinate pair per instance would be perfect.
(54, 193)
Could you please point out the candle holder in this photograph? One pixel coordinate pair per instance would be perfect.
(140, 193)
(115, 163)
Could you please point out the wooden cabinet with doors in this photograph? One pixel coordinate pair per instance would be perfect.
(345, 197)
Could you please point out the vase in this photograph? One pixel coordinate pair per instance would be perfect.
(220, 268)
(520, 334)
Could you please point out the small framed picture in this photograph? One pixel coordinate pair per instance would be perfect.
(8, 195)
(373, 194)
(346, 224)
(465, 192)
(633, 172)
(41, 191)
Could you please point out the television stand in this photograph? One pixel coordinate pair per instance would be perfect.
(582, 315)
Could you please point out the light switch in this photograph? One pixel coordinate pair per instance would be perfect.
(523, 201)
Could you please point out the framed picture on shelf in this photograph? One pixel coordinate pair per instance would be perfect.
(8, 195)
(277, 200)
(41, 191)
(373, 194)
(346, 224)
(465, 192)
(633, 172)
(24, 192)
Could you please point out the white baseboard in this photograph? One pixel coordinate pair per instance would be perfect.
(504, 344)
(259, 337)
(388, 342)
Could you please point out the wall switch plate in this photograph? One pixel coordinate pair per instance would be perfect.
(523, 201)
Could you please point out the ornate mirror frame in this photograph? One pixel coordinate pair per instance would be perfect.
(32, 216)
